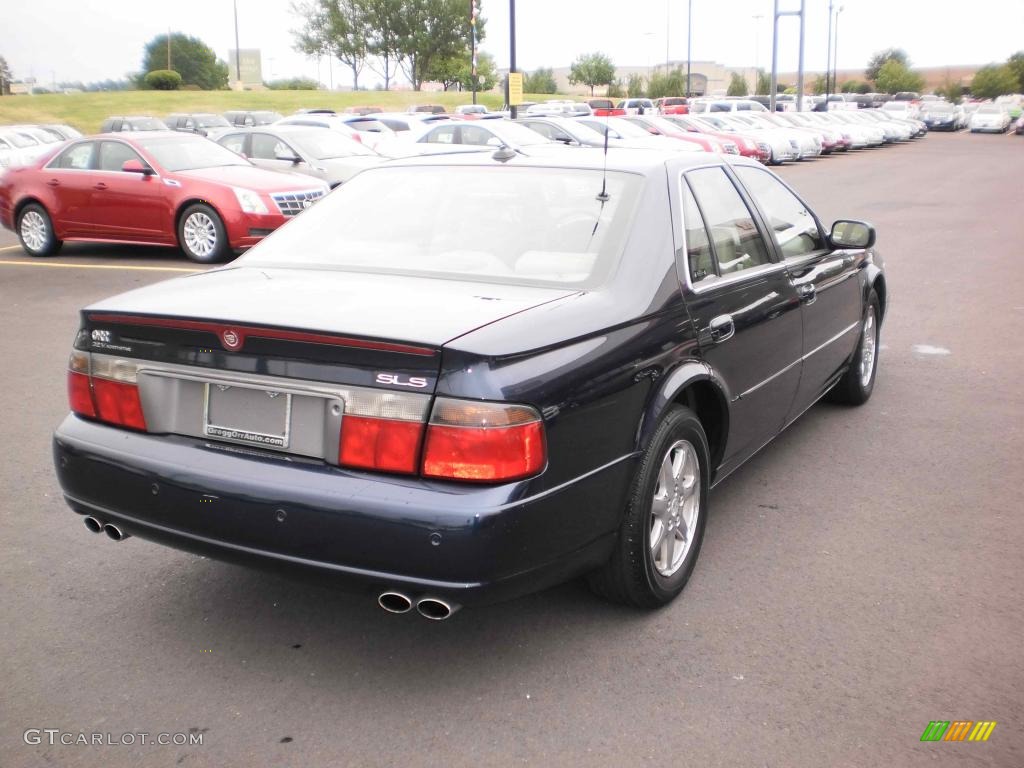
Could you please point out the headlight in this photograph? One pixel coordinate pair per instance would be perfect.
(249, 201)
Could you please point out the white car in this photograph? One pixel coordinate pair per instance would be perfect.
(18, 147)
(638, 107)
(810, 138)
(634, 136)
(727, 105)
(339, 123)
(871, 134)
(471, 109)
(993, 118)
(902, 109)
(788, 137)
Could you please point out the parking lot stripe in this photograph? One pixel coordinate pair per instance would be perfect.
(11, 248)
(125, 267)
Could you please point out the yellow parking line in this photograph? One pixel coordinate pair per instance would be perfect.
(97, 266)
(11, 248)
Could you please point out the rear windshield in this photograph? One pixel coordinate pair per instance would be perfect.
(147, 124)
(212, 121)
(520, 226)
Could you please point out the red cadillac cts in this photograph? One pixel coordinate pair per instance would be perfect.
(160, 188)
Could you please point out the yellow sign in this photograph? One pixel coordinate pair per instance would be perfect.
(515, 88)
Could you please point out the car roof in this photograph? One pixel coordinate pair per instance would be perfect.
(646, 162)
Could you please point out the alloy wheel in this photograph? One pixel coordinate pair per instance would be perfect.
(675, 507)
(34, 230)
(200, 234)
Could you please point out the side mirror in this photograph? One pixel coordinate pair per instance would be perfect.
(134, 166)
(852, 234)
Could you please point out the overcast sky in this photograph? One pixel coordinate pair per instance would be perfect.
(98, 39)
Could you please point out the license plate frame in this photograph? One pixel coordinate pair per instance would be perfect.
(241, 434)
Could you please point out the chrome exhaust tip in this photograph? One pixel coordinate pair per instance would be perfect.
(395, 602)
(115, 533)
(436, 609)
(94, 525)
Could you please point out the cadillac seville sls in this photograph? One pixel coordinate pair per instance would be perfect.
(518, 371)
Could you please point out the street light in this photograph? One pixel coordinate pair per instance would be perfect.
(238, 51)
(835, 53)
(689, 43)
(650, 71)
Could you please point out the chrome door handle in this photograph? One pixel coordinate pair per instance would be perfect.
(722, 328)
(807, 293)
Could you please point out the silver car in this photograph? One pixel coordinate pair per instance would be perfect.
(319, 152)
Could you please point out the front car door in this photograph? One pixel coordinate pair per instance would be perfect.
(267, 151)
(128, 206)
(825, 281)
(743, 306)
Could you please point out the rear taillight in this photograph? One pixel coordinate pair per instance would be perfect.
(483, 442)
(105, 388)
(382, 431)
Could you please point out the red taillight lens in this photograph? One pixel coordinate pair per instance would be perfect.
(80, 394)
(388, 445)
(118, 403)
(483, 442)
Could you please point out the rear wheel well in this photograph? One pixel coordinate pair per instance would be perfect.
(22, 204)
(704, 399)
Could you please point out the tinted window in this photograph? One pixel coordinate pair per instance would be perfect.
(794, 226)
(738, 243)
(699, 258)
(76, 157)
(235, 142)
(443, 135)
(267, 147)
(471, 134)
(114, 154)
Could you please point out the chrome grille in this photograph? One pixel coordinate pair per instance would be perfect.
(292, 203)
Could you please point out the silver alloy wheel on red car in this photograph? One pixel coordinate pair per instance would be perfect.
(34, 230)
(675, 507)
(200, 234)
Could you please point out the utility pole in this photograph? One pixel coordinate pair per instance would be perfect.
(668, 27)
(757, 44)
(835, 53)
(238, 51)
(474, 11)
(168, 48)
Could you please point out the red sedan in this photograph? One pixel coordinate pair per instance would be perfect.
(748, 147)
(158, 188)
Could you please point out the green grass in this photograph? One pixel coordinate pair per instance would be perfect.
(86, 111)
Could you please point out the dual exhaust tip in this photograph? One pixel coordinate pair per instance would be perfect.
(114, 532)
(433, 608)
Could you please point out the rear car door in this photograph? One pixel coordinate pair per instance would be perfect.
(70, 176)
(128, 206)
(743, 306)
(826, 283)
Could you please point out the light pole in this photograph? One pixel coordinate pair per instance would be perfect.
(650, 71)
(775, 56)
(668, 27)
(835, 53)
(238, 51)
(757, 41)
(511, 55)
(828, 55)
(689, 43)
(474, 11)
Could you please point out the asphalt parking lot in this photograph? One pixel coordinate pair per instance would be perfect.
(861, 577)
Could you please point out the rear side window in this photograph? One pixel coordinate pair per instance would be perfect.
(795, 228)
(75, 158)
(737, 242)
(235, 142)
(267, 147)
(699, 258)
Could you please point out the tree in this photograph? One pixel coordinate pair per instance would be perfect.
(894, 77)
(667, 84)
(855, 86)
(293, 84)
(163, 80)
(592, 70)
(876, 62)
(190, 57)
(764, 82)
(336, 28)
(992, 81)
(386, 29)
(819, 85)
(541, 81)
(1016, 65)
(5, 77)
(616, 90)
(457, 72)
(635, 86)
(951, 91)
(434, 30)
(737, 85)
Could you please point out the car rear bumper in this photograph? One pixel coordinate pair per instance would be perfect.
(466, 543)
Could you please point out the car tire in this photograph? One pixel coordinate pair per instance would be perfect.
(857, 384)
(201, 234)
(35, 231)
(635, 574)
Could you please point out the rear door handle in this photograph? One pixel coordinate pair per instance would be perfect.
(100, 185)
(807, 293)
(53, 183)
(722, 329)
